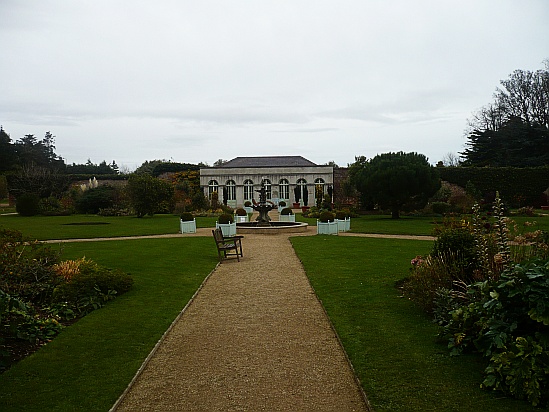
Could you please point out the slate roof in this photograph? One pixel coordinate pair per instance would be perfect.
(269, 161)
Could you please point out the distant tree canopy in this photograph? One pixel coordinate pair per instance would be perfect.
(395, 181)
(173, 168)
(90, 168)
(28, 151)
(514, 130)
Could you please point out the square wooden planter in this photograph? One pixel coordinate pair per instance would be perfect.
(326, 228)
(228, 229)
(188, 226)
(343, 225)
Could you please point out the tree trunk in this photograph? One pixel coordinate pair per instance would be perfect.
(395, 214)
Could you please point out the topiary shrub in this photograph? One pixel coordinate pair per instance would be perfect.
(186, 217)
(225, 218)
(92, 200)
(282, 203)
(240, 212)
(28, 204)
(247, 203)
(326, 217)
(286, 211)
(341, 215)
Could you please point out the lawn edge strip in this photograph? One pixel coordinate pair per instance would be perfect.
(339, 342)
(160, 341)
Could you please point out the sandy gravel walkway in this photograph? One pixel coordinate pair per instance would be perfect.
(255, 338)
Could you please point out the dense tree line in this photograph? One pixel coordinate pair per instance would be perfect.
(514, 129)
(29, 152)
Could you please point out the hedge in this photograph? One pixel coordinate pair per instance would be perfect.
(517, 186)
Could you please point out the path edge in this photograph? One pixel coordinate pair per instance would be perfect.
(159, 342)
(340, 343)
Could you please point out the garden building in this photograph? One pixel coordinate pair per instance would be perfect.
(288, 178)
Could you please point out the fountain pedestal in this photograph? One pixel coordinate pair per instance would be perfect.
(263, 208)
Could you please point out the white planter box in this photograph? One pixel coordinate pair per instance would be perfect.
(328, 228)
(239, 219)
(249, 210)
(343, 225)
(228, 229)
(286, 218)
(188, 226)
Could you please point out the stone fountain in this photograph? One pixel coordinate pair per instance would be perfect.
(263, 207)
(263, 224)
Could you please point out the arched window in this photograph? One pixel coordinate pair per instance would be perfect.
(319, 191)
(248, 190)
(302, 191)
(284, 189)
(213, 186)
(231, 190)
(267, 184)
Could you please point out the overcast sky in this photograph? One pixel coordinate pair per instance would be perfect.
(196, 81)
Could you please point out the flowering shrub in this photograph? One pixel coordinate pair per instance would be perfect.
(490, 297)
(38, 291)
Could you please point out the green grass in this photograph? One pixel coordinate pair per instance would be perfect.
(390, 342)
(414, 225)
(91, 226)
(383, 224)
(90, 363)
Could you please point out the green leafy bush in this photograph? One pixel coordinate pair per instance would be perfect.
(240, 212)
(92, 200)
(26, 267)
(326, 216)
(440, 208)
(37, 290)
(459, 244)
(286, 211)
(27, 204)
(507, 321)
(247, 203)
(428, 276)
(186, 217)
(90, 285)
(225, 218)
(282, 203)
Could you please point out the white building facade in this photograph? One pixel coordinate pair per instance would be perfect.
(286, 178)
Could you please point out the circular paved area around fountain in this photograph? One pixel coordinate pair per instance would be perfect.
(254, 338)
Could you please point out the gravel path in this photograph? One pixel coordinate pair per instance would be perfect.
(255, 338)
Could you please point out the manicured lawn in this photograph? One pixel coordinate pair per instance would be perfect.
(390, 342)
(413, 225)
(89, 364)
(90, 226)
(383, 224)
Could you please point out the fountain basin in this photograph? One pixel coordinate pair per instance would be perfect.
(274, 228)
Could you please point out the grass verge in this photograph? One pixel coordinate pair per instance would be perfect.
(92, 226)
(390, 342)
(90, 363)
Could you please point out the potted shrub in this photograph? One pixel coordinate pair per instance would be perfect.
(241, 215)
(248, 207)
(281, 205)
(286, 215)
(227, 224)
(326, 224)
(343, 221)
(187, 223)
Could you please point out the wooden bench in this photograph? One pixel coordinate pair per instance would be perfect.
(227, 244)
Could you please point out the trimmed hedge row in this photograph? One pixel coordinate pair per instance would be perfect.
(517, 186)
